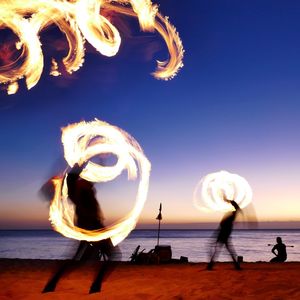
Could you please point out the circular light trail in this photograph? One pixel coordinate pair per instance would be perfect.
(211, 190)
(81, 142)
(80, 21)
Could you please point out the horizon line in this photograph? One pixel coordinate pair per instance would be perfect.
(260, 225)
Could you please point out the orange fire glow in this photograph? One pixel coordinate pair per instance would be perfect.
(81, 142)
(79, 20)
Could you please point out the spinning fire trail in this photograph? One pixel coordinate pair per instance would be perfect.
(215, 186)
(81, 142)
(80, 21)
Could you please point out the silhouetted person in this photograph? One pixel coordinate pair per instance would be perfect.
(87, 216)
(279, 250)
(223, 236)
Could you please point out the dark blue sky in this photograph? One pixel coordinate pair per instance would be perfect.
(234, 106)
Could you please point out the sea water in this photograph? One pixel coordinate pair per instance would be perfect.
(194, 244)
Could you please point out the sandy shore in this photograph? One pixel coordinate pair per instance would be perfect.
(24, 279)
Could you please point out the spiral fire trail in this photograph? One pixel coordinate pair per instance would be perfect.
(80, 21)
(81, 142)
(210, 192)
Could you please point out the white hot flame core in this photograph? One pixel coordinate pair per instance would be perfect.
(211, 190)
(79, 20)
(81, 142)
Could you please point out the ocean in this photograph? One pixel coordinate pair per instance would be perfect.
(194, 244)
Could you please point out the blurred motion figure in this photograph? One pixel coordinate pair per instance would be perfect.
(87, 216)
(223, 236)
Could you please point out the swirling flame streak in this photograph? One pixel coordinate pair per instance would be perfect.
(79, 20)
(215, 186)
(81, 142)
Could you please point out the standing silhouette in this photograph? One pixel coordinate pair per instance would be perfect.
(279, 250)
(223, 236)
(87, 216)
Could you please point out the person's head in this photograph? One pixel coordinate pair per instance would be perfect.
(279, 240)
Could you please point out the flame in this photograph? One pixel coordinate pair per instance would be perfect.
(79, 20)
(82, 141)
(213, 187)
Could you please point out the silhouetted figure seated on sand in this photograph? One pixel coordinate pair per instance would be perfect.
(87, 216)
(279, 250)
(223, 236)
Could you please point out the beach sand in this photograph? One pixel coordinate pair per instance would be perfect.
(24, 279)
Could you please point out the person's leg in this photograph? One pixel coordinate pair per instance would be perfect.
(276, 259)
(51, 284)
(97, 283)
(106, 250)
(214, 254)
(232, 254)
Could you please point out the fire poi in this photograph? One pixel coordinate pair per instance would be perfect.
(82, 141)
(210, 192)
(79, 21)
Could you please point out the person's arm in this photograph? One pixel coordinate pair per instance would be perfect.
(76, 169)
(273, 250)
(235, 205)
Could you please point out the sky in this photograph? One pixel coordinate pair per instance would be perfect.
(233, 106)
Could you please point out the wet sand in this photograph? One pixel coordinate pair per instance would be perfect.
(24, 279)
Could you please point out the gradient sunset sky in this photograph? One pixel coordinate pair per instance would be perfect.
(234, 106)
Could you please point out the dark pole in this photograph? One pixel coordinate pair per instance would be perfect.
(159, 218)
(158, 232)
